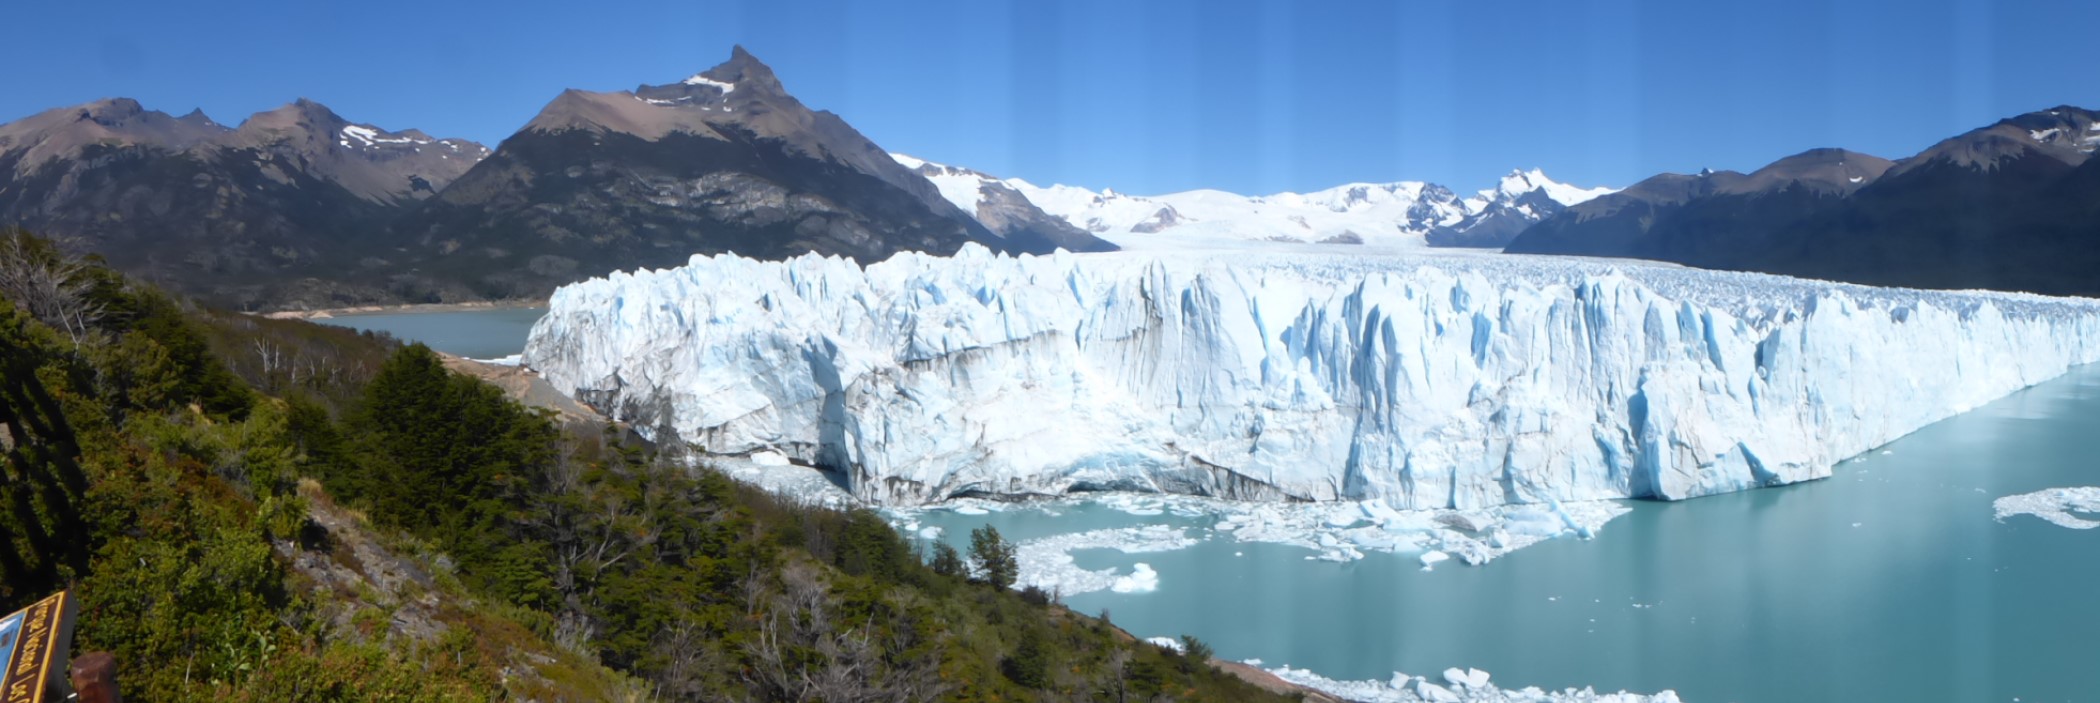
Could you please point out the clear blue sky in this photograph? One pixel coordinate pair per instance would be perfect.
(1140, 96)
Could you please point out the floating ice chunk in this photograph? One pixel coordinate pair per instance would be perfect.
(1469, 678)
(1468, 521)
(975, 506)
(2054, 505)
(1166, 643)
(1434, 693)
(1431, 559)
(930, 532)
(512, 360)
(1142, 579)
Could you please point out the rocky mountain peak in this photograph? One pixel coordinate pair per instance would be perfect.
(744, 69)
(1826, 169)
(196, 116)
(110, 122)
(111, 112)
(302, 118)
(2064, 133)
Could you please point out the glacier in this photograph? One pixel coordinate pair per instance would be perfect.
(1425, 381)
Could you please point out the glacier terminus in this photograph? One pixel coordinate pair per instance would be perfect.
(1425, 380)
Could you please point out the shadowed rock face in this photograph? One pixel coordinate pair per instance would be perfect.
(285, 207)
(2009, 206)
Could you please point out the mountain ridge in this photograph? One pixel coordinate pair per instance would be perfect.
(2005, 206)
(725, 160)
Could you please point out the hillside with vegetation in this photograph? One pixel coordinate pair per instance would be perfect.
(269, 510)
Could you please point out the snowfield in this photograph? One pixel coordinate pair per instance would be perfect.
(1422, 381)
(1398, 214)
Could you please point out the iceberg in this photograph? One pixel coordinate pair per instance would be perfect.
(1422, 381)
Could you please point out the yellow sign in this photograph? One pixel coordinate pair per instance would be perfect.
(34, 644)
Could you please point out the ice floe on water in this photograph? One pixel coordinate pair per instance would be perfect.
(1455, 686)
(1335, 531)
(1046, 563)
(2055, 505)
(1344, 531)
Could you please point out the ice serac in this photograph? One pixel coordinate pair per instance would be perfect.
(1426, 381)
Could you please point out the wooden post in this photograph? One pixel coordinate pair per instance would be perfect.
(95, 678)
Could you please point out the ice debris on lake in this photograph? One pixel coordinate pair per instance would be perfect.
(1456, 686)
(2054, 505)
(1046, 563)
(1424, 380)
(1343, 531)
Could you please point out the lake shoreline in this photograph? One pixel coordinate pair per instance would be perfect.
(410, 308)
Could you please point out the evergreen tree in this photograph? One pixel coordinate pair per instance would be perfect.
(947, 562)
(1030, 664)
(994, 557)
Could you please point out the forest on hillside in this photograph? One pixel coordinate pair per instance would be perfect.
(271, 510)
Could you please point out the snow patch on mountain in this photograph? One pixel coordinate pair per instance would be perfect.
(963, 187)
(1427, 381)
(702, 79)
(368, 136)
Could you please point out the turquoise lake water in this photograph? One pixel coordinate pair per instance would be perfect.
(475, 334)
(1890, 581)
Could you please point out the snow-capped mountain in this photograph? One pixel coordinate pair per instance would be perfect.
(1428, 380)
(1001, 209)
(1404, 213)
(1495, 216)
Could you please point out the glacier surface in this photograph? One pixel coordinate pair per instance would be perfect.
(1423, 381)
